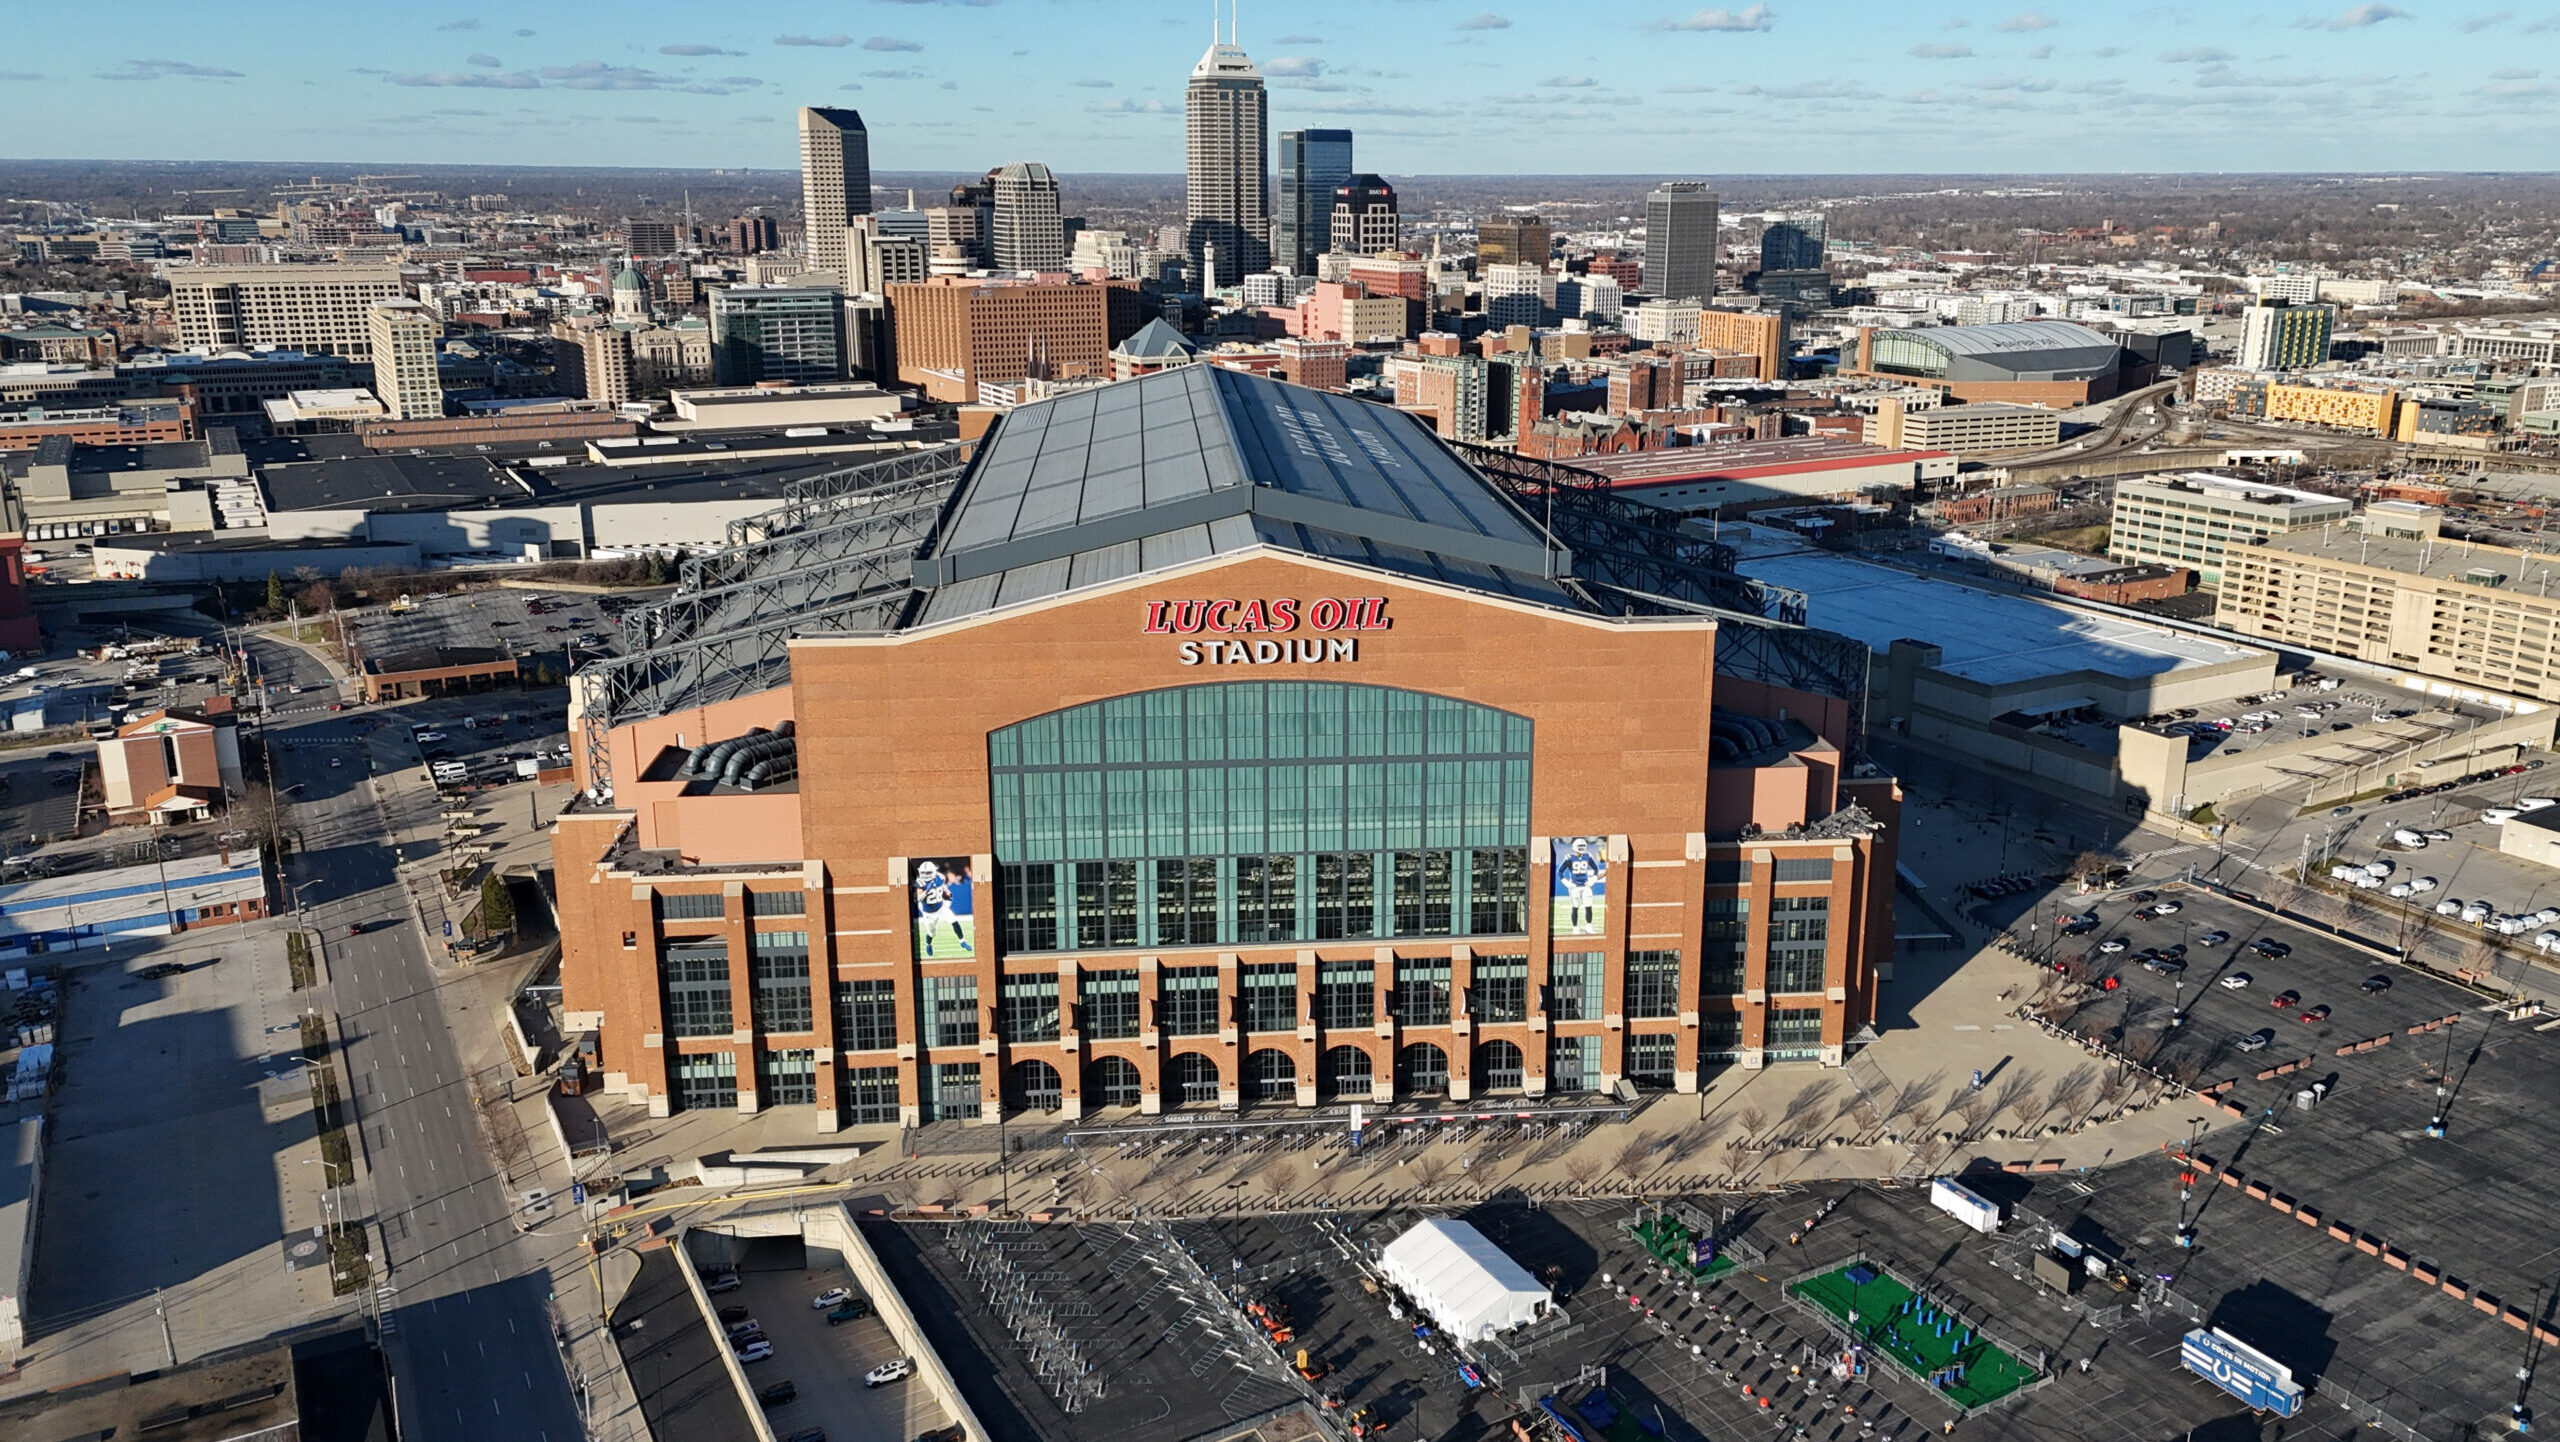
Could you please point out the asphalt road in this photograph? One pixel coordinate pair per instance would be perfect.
(466, 1322)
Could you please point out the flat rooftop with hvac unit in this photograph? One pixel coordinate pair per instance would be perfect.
(1205, 741)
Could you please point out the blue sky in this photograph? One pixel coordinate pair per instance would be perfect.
(1486, 86)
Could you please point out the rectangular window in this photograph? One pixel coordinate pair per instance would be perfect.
(1027, 1008)
(788, 1079)
(1346, 995)
(1650, 1060)
(1574, 979)
(1423, 882)
(954, 1092)
(867, 1015)
(1187, 902)
(1422, 991)
(1270, 996)
(777, 903)
(1188, 1005)
(1803, 868)
(1725, 952)
(1346, 896)
(1573, 1065)
(780, 971)
(1266, 898)
(1728, 871)
(1498, 891)
(1795, 1028)
(689, 906)
(1720, 1036)
(1107, 1005)
(696, 976)
(706, 1081)
(951, 1010)
(1500, 989)
(1796, 968)
(1028, 898)
(1106, 903)
(870, 1096)
(1653, 983)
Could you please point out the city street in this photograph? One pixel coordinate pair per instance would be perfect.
(465, 1316)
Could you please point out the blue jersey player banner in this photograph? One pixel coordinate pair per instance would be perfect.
(945, 907)
(1580, 906)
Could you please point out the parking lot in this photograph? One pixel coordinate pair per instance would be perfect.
(778, 1276)
(541, 628)
(2474, 1201)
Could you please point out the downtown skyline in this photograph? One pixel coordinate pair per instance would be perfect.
(1652, 88)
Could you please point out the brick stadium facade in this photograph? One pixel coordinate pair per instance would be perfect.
(1261, 829)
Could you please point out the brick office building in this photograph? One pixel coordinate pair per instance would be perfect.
(1238, 745)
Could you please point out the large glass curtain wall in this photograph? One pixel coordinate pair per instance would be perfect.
(1255, 811)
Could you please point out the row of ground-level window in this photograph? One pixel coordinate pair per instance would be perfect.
(1189, 1002)
(1245, 900)
(953, 1090)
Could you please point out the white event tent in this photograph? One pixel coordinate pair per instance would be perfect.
(1462, 1280)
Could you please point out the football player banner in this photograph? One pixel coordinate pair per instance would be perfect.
(943, 901)
(1580, 905)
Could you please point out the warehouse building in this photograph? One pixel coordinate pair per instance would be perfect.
(1207, 742)
(1707, 480)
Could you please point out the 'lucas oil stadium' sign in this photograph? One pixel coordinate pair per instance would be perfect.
(1269, 630)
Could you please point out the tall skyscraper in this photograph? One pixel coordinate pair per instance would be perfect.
(1313, 165)
(403, 341)
(1794, 242)
(1227, 195)
(1364, 216)
(1680, 241)
(835, 182)
(1027, 232)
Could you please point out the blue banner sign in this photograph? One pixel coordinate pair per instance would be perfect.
(2241, 1370)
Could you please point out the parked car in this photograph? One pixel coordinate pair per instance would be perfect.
(741, 1327)
(2316, 1013)
(721, 1279)
(2234, 981)
(2268, 946)
(2284, 999)
(2376, 984)
(758, 1350)
(2112, 945)
(2145, 913)
(2170, 908)
(888, 1372)
(2164, 965)
(808, 1434)
(2213, 938)
(779, 1394)
(2258, 1040)
(852, 1311)
(831, 1297)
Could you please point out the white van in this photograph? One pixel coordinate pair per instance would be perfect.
(2496, 816)
(2410, 839)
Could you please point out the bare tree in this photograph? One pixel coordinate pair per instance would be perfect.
(2117, 1084)
(1281, 1177)
(1431, 1167)
(1632, 1158)
(1753, 1121)
(1977, 1110)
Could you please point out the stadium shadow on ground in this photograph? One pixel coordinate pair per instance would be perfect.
(2280, 1323)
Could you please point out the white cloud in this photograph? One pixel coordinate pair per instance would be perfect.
(161, 69)
(1306, 66)
(2026, 20)
(1567, 82)
(890, 43)
(696, 50)
(1129, 107)
(2477, 23)
(466, 80)
(1485, 20)
(826, 42)
(1094, 84)
(2198, 55)
(1941, 52)
(2362, 17)
(1755, 17)
(485, 61)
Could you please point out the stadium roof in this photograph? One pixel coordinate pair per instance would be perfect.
(2036, 349)
(1199, 461)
